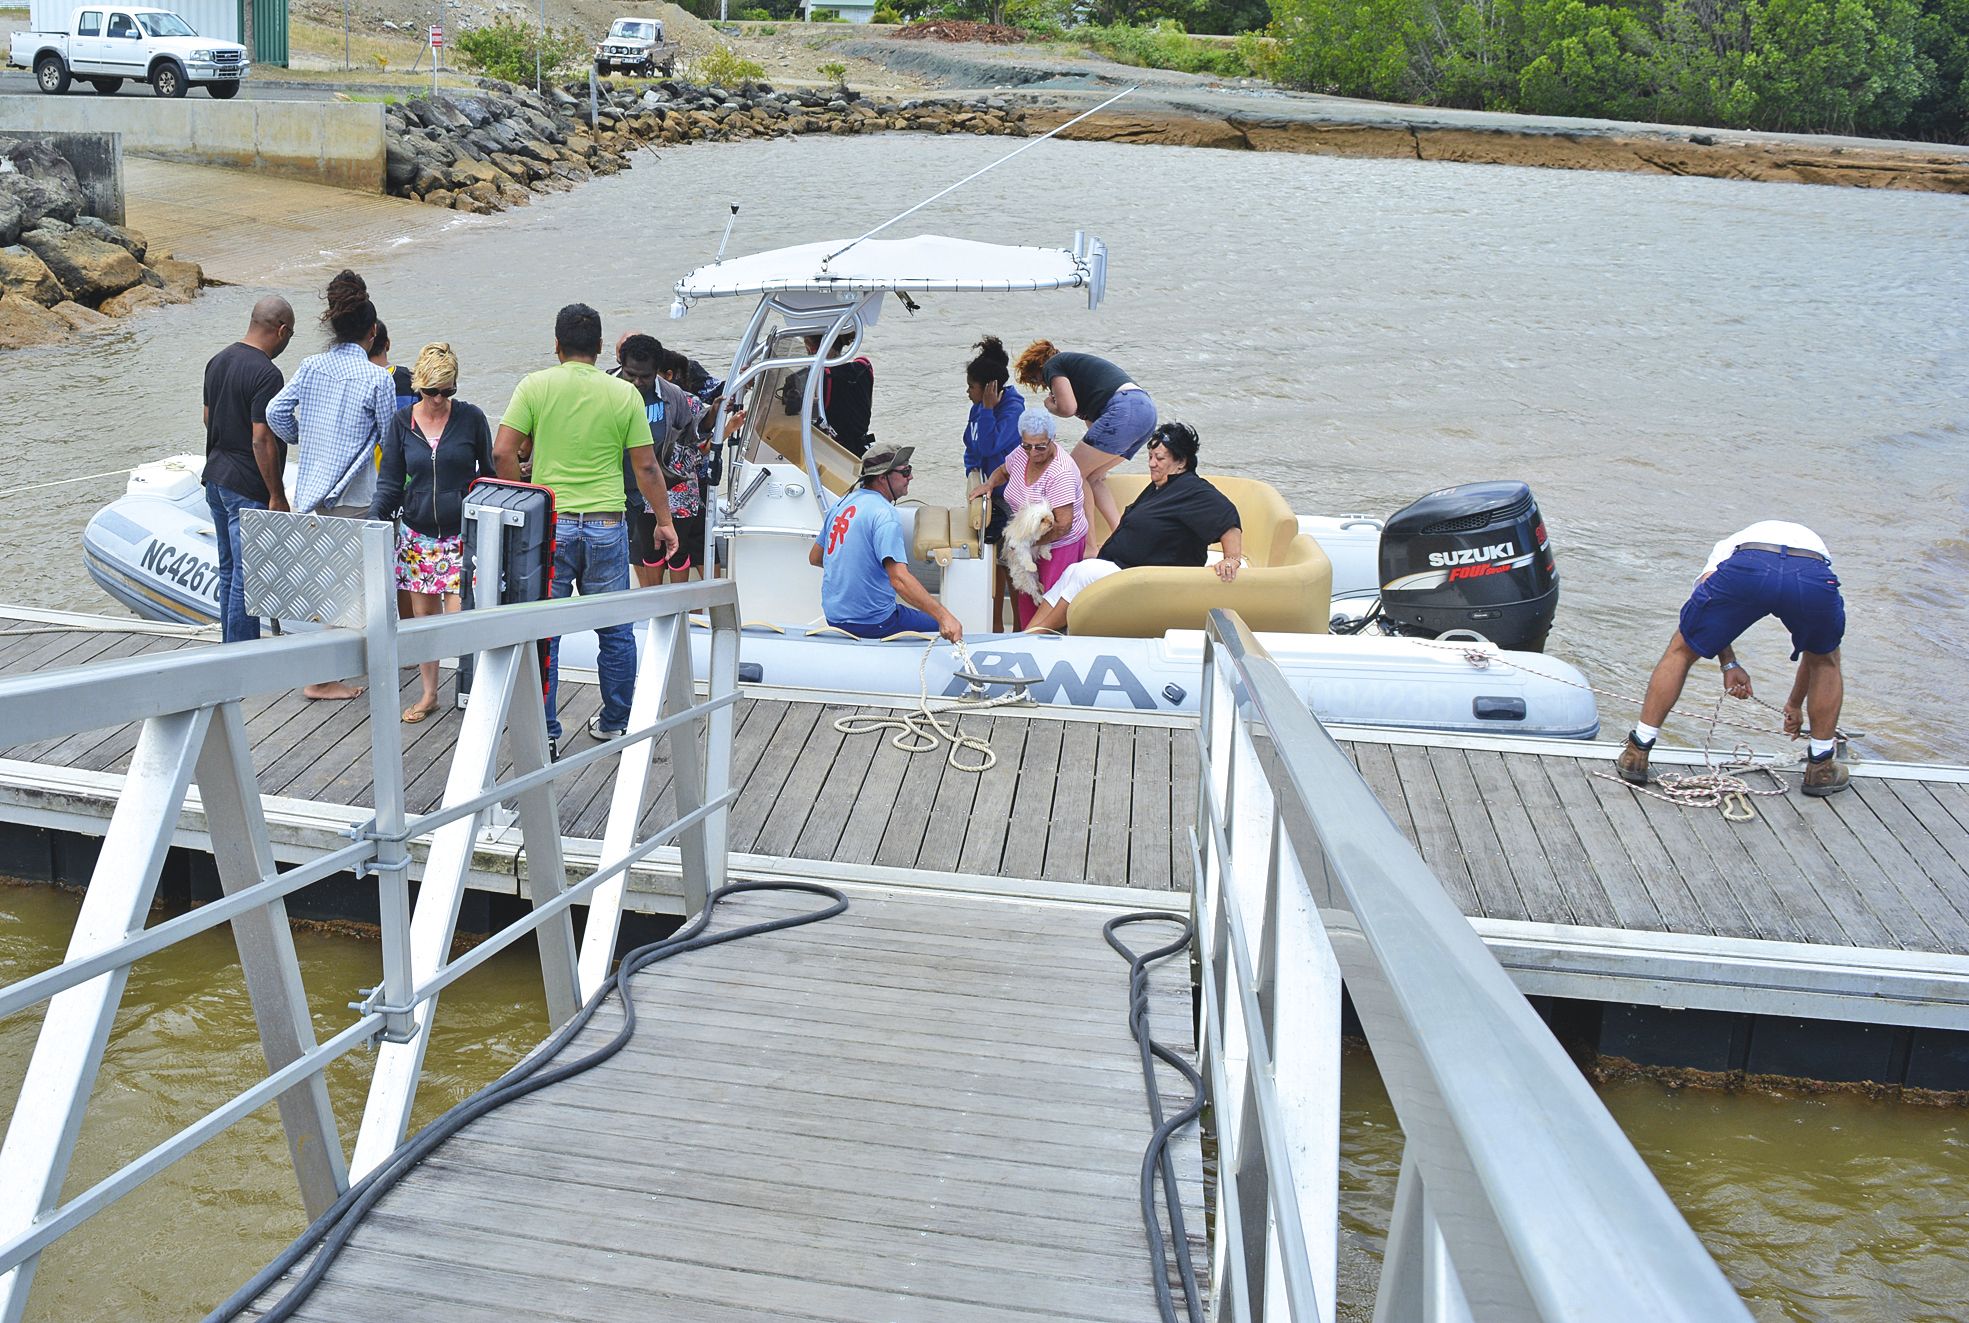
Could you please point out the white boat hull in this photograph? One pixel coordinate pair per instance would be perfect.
(154, 550)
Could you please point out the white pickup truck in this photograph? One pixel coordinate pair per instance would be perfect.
(105, 45)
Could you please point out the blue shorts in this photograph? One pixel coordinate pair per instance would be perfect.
(1124, 426)
(1801, 592)
(898, 620)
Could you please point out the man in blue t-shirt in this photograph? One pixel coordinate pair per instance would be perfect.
(864, 567)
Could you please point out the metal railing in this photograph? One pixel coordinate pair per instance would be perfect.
(193, 730)
(1519, 1197)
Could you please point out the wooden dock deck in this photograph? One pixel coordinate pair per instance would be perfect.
(1856, 905)
(925, 1108)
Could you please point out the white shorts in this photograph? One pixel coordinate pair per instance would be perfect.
(1078, 575)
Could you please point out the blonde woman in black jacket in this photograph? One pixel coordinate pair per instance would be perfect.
(435, 449)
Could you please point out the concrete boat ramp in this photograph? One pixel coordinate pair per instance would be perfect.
(889, 1067)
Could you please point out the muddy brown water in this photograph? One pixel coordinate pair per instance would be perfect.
(1663, 359)
(1829, 1208)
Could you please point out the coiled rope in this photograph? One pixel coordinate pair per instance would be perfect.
(921, 731)
(1156, 1162)
(1720, 785)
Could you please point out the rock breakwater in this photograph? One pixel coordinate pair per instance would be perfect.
(63, 270)
(488, 151)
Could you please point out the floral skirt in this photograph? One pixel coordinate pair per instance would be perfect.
(429, 564)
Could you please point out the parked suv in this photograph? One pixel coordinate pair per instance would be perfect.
(109, 44)
(635, 46)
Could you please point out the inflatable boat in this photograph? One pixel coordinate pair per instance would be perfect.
(1431, 619)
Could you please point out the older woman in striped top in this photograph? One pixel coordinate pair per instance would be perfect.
(1035, 473)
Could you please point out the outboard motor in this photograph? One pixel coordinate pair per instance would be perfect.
(1472, 557)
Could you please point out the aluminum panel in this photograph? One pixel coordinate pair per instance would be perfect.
(303, 567)
(208, 18)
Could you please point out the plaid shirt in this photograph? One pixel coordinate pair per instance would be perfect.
(338, 408)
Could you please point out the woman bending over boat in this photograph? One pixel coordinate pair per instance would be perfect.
(1173, 522)
(1118, 413)
(1033, 473)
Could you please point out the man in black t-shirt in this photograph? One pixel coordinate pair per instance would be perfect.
(243, 458)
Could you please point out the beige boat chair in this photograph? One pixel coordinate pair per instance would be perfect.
(1286, 587)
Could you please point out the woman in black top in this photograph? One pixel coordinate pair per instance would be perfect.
(1120, 416)
(434, 450)
(1173, 522)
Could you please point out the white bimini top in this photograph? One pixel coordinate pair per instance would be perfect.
(927, 262)
(1777, 532)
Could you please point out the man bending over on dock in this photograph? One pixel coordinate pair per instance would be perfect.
(1772, 568)
(578, 423)
(865, 584)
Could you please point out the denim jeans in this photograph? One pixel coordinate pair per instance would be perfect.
(234, 624)
(595, 558)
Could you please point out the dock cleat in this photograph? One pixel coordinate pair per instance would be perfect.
(1632, 764)
(1826, 775)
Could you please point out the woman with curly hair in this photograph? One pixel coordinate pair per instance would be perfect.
(1119, 415)
(1173, 522)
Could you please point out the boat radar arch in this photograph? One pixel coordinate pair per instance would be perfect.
(927, 263)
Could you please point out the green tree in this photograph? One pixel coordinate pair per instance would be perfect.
(1943, 38)
(1840, 66)
(1846, 66)
(1352, 47)
(504, 48)
(1586, 60)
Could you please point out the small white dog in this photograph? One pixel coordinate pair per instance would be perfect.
(1026, 527)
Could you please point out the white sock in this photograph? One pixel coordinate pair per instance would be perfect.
(1823, 748)
(1645, 734)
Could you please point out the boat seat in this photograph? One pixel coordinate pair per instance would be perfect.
(1286, 586)
(839, 469)
(943, 532)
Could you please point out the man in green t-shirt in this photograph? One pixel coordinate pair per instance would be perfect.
(578, 423)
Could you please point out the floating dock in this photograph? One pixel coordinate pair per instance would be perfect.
(1843, 923)
(934, 1100)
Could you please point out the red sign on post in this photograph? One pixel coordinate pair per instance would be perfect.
(437, 37)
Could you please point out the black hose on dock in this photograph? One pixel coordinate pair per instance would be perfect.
(333, 1228)
(1155, 1159)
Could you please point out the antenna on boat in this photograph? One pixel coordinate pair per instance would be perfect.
(968, 178)
(731, 221)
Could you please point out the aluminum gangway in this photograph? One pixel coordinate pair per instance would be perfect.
(1519, 1198)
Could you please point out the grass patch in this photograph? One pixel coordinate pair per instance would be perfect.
(1164, 46)
(319, 41)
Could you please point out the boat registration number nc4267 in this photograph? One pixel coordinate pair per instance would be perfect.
(188, 569)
